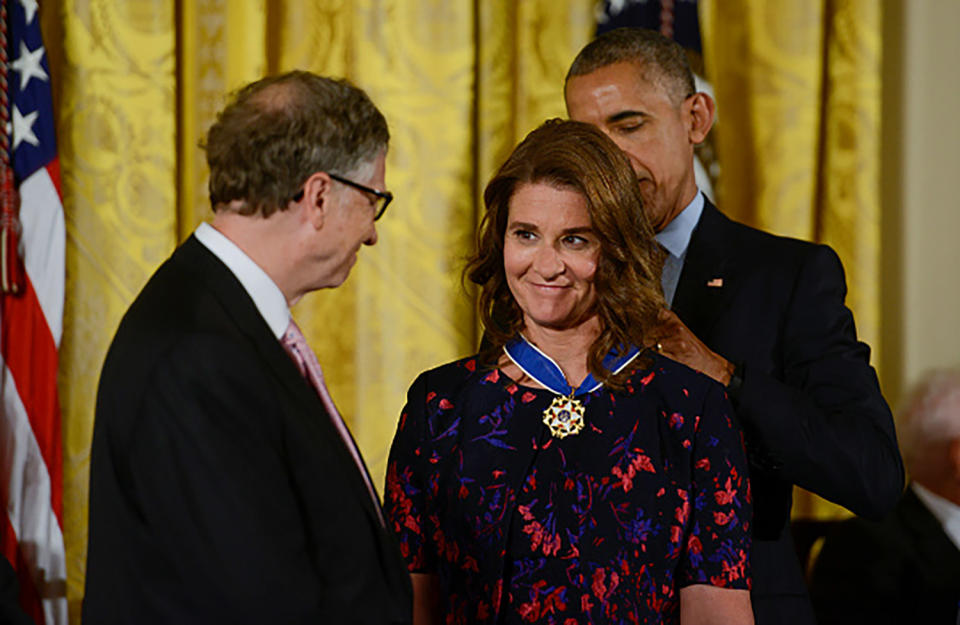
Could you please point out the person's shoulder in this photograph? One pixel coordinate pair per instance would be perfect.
(174, 321)
(682, 396)
(443, 394)
(455, 374)
(753, 241)
(462, 367)
(673, 379)
(167, 297)
(170, 313)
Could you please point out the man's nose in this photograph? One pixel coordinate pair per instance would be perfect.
(372, 238)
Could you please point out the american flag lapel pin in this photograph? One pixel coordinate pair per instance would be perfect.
(715, 283)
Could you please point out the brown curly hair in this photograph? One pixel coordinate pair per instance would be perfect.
(278, 131)
(576, 156)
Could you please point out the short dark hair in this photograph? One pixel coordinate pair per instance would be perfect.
(278, 131)
(576, 156)
(659, 58)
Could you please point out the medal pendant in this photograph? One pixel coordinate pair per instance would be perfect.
(564, 417)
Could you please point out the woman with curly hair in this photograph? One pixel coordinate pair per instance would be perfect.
(569, 473)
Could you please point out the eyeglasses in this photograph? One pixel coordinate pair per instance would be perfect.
(383, 198)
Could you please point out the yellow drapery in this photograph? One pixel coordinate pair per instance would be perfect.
(798, 93)
(138, 84)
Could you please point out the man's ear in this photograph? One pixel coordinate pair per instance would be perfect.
(700, 110)
(316, 200)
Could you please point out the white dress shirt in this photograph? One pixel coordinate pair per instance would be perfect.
(266, 295)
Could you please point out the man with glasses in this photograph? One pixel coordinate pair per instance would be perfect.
(224, 485)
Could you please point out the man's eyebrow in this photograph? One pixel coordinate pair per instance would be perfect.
(624, 115)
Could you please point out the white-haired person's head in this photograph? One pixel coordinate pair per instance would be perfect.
(929, 432)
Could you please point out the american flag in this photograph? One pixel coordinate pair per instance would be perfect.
(31, 321)
(674, 19)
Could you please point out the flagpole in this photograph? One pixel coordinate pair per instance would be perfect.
(11, 265)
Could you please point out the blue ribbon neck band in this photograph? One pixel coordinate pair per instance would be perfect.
(540, 367)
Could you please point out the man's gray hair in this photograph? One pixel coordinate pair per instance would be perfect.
(930, 417)
(278, 131)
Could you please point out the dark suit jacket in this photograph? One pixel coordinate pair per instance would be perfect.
(220, 491)
(810, 403)
(10, 610)
(903, 570)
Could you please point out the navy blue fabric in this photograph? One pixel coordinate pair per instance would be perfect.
(601, 527)
(810, 403)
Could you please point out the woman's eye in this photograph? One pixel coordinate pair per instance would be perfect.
(575, 241)
(524, 235)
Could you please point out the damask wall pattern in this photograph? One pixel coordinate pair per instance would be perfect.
(848, 199)
(117, 137)
(460, 83)
(221, 46)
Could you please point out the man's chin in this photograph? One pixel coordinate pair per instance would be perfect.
(648, 193)
(655, 215)
(333, 281)
(341, 276)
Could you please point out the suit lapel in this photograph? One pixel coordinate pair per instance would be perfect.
(225, 286)
(708, 278)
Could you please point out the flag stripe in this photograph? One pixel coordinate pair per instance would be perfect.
(31, 359)
(31, 326)
(29, 511)
(41, 216)
(53, 169)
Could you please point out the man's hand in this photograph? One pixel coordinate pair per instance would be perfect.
(676, 341)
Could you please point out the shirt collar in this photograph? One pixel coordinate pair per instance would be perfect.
(947, 512)
(266, 295)
(675, 237)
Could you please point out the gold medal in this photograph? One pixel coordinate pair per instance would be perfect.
(564, 417)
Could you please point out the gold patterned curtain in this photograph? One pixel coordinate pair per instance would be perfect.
(798, 101)
(137, 84)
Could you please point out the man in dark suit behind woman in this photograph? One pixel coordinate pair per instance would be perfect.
(224, 486)
(761, 314)
(905, 569)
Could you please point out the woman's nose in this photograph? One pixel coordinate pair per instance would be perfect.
(547, 262)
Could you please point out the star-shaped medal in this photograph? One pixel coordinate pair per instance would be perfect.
(564, 417)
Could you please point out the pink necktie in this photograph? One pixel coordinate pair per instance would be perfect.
(302, 356)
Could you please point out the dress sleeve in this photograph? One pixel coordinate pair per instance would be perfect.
(717, 546)
(407, 483)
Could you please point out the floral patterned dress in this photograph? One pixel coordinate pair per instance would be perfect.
(602, 527)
